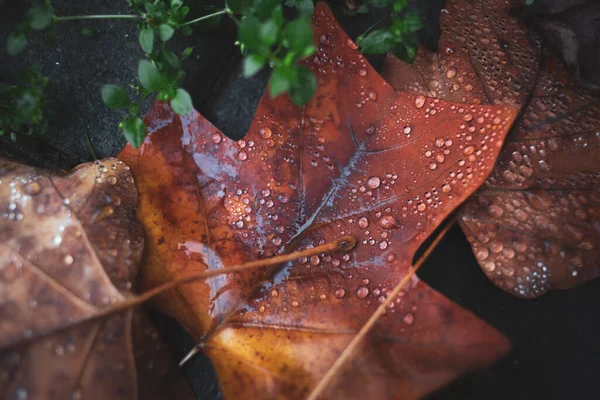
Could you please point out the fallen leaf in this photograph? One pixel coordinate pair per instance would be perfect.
(535, 224)
(69, 249)
(352, 162)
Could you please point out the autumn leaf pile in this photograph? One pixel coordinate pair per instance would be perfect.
(384, 163)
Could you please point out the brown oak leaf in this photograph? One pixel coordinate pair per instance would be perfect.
(69, 248)
(352, 162)
(535, 225)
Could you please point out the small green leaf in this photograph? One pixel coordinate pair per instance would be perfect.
(182, 102)
(305, 87)
(147, 39)
(377, 42)
(252, 64)
(165, 32)
(248, 33)
(282, 80)
(114, 97)
(135, 131)
(299, 35)
(269, 32)
(171, 60)
(277, 16)
(150, 77)
(40, 16)
(16, 43)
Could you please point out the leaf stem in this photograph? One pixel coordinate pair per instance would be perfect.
(100, 16)
(348, 352)
(215, 14)
(344, 243)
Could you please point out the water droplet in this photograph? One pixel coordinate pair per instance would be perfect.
(421, 207)
(362, 292)
(383, 245)
(295, 303)
(21, 394)
(408, 318)
(419, 101)
(488, 266)
(451, 73)
(468, 150)
(216, 138)
(362, 72)
(432, 165)
(482, 253)
(315, 260)
(351, 44)
(33, 188)
(242, 155)
(370, 130)
(389, 222)
(521, 215)
(495, 211)
(373, 182)
(339, 293)
(496, 246)
(274, 293)
(68, 259)
(446, 188)
(111, 180)
(539, 199)
(265, 132)
(363, 222)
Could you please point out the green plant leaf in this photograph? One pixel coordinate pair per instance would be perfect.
(114, 97)
(283, 79)
(16, 43)
(268, 32)
(299, 35)
(248, 33)
(165, 32)
(305, 86)
(377, 42)
(40, 16)
(252, 64)
(135, 131)
(147, 39)
(182, 102)
(149, 76)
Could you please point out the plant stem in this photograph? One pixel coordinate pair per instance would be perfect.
(349, 351)
(101, 16)
(223, 11)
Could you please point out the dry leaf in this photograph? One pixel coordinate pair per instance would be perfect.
(536, 224)
(69, 247)
(354, 161)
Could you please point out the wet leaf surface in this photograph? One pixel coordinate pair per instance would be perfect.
(69, 249)
(354, 161)
(535, 224)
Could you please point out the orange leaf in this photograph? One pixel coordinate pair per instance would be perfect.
(534, 226)
(69, 248)
(352, 162)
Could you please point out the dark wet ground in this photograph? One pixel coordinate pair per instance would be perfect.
(556, 338)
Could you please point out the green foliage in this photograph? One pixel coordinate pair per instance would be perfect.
(400, 37)
(22, 105)
(265, 37)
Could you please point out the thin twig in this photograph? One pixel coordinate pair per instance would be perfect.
(350, 349)
(344, 243)
(224, 11)
(101, 16)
